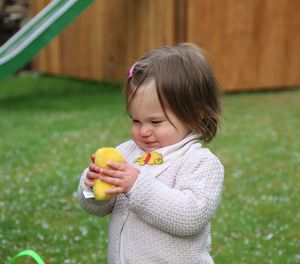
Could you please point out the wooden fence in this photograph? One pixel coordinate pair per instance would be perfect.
(252, 44)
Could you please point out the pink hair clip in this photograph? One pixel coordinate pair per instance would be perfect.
(130, 72)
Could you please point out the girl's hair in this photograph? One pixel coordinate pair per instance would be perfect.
(185, 84)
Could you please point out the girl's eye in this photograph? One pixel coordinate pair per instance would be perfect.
(135, 121)
(156, 122)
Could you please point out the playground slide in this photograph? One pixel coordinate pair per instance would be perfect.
(37, 33)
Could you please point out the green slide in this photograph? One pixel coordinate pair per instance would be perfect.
(37, 33)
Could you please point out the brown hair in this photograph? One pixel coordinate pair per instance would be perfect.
(185, 84)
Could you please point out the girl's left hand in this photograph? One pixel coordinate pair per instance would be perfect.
(122, 175)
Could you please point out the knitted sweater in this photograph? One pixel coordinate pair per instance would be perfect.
(163, 219)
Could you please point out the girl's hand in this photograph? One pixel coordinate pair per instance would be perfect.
(92, 174)
(122, 175)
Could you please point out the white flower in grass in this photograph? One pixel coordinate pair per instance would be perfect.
(258, 246)
(40, 236)
(269, 236)
(83, 230)
(45, 225)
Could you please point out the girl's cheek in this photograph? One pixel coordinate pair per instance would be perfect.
(134, 132)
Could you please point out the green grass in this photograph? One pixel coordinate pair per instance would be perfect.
(50, 126)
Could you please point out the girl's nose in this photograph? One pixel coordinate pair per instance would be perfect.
(145, 131)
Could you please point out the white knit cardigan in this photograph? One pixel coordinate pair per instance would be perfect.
(163, 219)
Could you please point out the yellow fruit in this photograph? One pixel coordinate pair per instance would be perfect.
(102, 156)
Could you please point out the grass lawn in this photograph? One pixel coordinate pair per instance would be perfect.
(50, 126)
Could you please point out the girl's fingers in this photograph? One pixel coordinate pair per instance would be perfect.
(116, 165)
(111, 173)
(92, 175)
(93, 167)
(110, 180)
(93, 157)
(114, 191)
(89, 183)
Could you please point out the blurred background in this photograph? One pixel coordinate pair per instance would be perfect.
(252, 44)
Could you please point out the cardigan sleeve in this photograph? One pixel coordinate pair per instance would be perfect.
(186, 208)
(91, 205)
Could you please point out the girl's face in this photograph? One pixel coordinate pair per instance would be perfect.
(150, 127)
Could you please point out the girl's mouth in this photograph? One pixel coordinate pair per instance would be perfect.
(150, 143)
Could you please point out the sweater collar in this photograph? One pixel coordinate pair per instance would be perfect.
(161, 158)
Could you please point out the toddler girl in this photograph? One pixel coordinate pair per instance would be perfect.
(169, 187)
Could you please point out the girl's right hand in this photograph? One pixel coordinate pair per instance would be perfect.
(92, 173)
